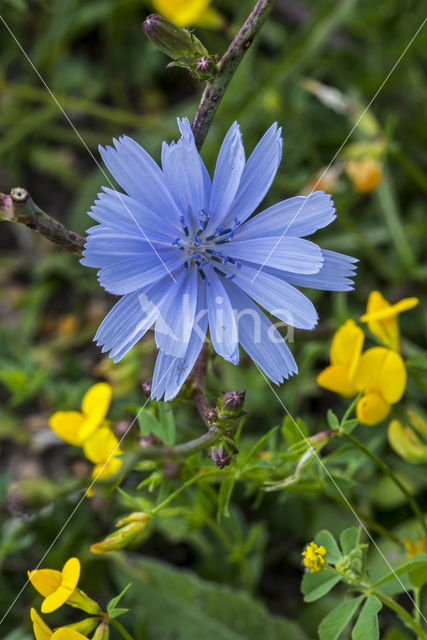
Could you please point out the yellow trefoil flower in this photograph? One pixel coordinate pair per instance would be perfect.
(314, 557)
(89, 429)
(43, 632)
(185, 13)
(381, 375)
(74, 426)
(414, 547)
(345, 353)
(382, 317)
(56, 586)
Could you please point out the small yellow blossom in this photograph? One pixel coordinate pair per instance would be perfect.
(314, 557)
(186, 13)
(56, 586)
(90, 430)
(414, 547)
(382, 317)
(42, 631)
(75, 426)
(345, 353)
(365, 174)
(381, 375)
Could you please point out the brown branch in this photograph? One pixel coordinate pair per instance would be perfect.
(19, 207)
(227, 66)
(207, 413)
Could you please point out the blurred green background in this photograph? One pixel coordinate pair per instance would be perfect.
(110, 80)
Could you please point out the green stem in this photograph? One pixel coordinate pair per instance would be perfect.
(405, 616)
(388, 472)
(214, 91)
(120, 628)
(180, 489)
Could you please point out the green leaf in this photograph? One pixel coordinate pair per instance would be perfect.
(413, 565)
(349, 539)
(173, 603)
(367, 623)
(111, 606)
(336, 621)
(349, 425)
(316, 585)
(418, 577)
(167, 421)
(292, 432)
(332, 419)
(224, 497)
(149, 424)
(326, 539)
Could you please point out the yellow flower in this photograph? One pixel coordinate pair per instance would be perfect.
(56, 586)
(365, 174)
(381, 317)
(74, 426)
(381, 375)
(406, 442)
(102, 448)
(185, 13)
(42, 631)
(345, 353)
(314, 557)
(414, 547)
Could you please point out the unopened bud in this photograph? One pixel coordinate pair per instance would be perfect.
(7, 211)
(230, 404)
(130, 528)
(102, 632)
(80, 600)
(204, 64)
(84, 626)
(146, 388)
(220, 456)
(178, 44)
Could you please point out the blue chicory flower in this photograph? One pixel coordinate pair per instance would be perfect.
(179, 251)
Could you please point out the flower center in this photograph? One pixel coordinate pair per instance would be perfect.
(204, 248)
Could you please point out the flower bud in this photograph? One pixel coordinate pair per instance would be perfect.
(7, 211)
(146, 388)
(230, 404)
(84, 626)
(80, 600)
(178, 44)
(130, 527)
(102, 632)
(220, 456)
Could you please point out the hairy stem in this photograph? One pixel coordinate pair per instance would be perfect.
(214, 91)
(199, 374)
